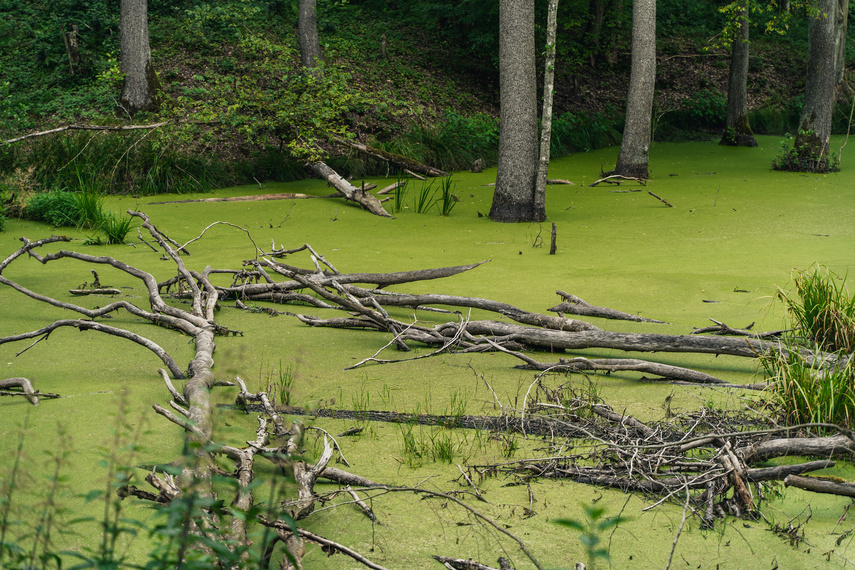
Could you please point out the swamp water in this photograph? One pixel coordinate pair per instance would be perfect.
(736, 231)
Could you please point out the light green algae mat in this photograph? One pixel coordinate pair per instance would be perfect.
(734, 234)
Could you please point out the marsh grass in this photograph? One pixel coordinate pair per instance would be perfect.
(447, 200)
(400, 197)
(822, 313)
(115, 228)
(424, 197)
(279, 383)
(822, 309)
(805, 392)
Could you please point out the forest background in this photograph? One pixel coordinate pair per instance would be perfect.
(416, 78)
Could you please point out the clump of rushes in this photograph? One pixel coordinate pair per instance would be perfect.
(822, 309)
(822, 313)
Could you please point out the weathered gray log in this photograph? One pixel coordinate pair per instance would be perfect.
(818, 485)
(630, 342)
(828, 446)
(461, 564)
(401, 162)
(85, 325)
(349, 191)
(100, 291)
(26, 387)
(576, 306)
(325, 279)
(626, 364)
(255, 198)
(783, 471)
(510, 311)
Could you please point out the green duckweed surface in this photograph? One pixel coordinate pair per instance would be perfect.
(735, 233)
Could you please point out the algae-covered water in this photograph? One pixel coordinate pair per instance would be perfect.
(735, 233)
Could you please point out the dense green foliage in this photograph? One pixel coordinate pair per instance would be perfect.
(242, 109)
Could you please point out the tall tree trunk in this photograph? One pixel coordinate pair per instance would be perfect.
(812, 142)
(307, 28)
(546, 115)
(635, 146)
(841, 85)
(737, 130)
(596, 10)
(513, 199)
(140, 88)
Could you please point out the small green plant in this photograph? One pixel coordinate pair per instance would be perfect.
(424, 198)
(115, 228)
(447, 199)
(802, 156)
(591, 529)
(400, 195)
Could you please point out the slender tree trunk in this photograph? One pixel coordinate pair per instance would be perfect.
(841, 85)
(140, 88)
(307, 27)
(812, 142)
(516, 177)
(635, 146)
(737, 130)
(597, 11)
(546, 115)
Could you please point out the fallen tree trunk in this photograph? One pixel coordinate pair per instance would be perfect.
(349, 191)
(401, 162)
(254, 198)
(820, 485)
(576, 306)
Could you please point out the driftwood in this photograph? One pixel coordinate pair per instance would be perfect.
(349, 191)
(76, 127)
(255, 198)
(469, 564)
(97, 291)
(821, 485)
(26, 390)
(397, 160)
(663, 200)
(617, 179)
(576, 306)
(392, 187)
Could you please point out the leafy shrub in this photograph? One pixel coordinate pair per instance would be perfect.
(56, 207)
(802, 155)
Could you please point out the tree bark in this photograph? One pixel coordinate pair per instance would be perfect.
(307, 28)
(140, 88)
(737, 130)
(635, 146)
(350, 191)
(841, 85)
(516, 177)
(812, 142)
(546, 115)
